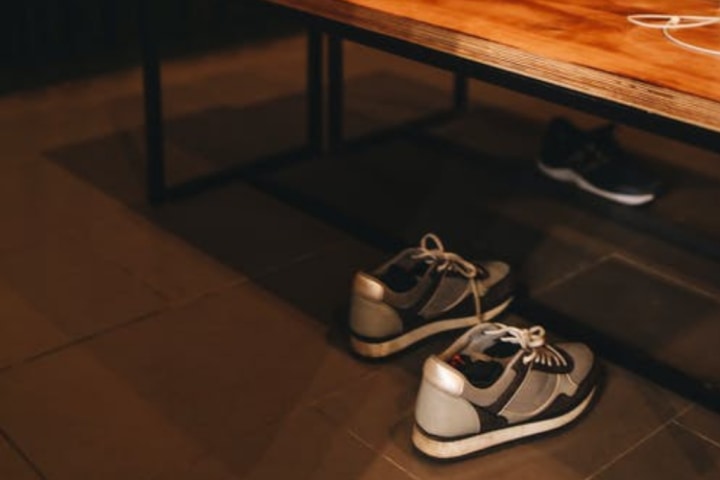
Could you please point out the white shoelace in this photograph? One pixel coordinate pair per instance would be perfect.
(532, 341)
(432, 250)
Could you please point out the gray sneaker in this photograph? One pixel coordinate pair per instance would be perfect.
(421, 292)
(497, 384)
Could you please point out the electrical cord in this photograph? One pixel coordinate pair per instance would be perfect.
(670, 23)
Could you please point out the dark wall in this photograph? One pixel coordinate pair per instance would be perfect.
(47, 41)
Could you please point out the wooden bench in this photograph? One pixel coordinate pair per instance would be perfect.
(582, 53)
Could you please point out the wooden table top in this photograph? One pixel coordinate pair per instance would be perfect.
(584, 45)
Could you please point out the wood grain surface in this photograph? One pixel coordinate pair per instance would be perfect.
(585, 45)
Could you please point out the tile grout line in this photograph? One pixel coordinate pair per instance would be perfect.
(22, 454)
(362, 441)
(315, 407)
(170, 306)
(165, 296)
(659, 273)
(637, 444)
(79, 341)
(572, 274)
(709, 440)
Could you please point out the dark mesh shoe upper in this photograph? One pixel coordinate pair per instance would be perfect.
(426, 286)
(597, 157)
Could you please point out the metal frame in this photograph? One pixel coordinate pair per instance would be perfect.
(152, 84)
(629, 356)
(336, 104)
(157, 188)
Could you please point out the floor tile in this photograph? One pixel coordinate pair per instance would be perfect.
(371, 186)
(74, 289)
(228, 364)
(163, 261)
(24, 332)
(688, 202)
(702, 421)
(203, 468)
(74, 418)
(680, 263)
(541, 259)
(14, 467)
(196, 143)
(670, 322)
(115, 164)
(554, 214)
(307, 445)
(244, 229)
(304, 444)
(214, 134)
(379, 410)
(670, 454)
(199, 384)
(320, 284)
(41, 199)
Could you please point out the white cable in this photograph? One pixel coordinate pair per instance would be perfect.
(655, 20)
(668, 23)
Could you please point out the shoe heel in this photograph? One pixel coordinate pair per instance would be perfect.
(440, 410)
(370, 319)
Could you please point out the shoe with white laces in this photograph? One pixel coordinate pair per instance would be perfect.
(498, 383)
(421, 292)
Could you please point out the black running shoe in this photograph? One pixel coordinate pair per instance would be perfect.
(593, 161)
(421, 292)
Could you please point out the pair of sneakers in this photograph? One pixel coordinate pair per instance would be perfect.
(496, 383)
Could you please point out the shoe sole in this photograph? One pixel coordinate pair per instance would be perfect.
(458, 448)
(384, 349)
(570, 176)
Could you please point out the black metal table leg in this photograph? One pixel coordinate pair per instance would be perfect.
(336, 96)
(315, 102)
(154, 135)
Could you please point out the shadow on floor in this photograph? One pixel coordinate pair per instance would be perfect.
(302, 231)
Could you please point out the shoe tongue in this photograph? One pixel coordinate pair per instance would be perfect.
(480, 373)
(405, 273)
(503, 350)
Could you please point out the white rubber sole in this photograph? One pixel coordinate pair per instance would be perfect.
(383, 349)
(570, 176)
(458, 448)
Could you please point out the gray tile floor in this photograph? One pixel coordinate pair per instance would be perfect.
(202, 340)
